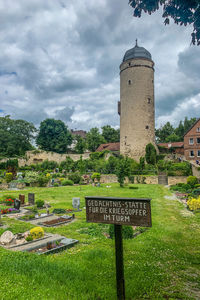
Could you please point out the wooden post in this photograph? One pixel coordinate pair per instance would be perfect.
(119, 262)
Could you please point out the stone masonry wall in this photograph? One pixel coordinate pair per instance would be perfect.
(111, 178)
(38, 156)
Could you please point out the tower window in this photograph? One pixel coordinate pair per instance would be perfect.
(147, 127)
(149, 100)
(129, 64)
(129, 82)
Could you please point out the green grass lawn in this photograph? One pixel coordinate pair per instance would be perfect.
(161, 263)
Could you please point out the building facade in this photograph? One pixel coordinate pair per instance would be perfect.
(136, 106)
(192, 142)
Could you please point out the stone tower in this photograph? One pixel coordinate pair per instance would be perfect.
(136, 106)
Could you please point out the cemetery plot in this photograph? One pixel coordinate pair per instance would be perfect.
(57, 221)
(48, 244)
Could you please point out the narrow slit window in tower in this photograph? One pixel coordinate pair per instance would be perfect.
(147, 127)
(149, 100)
(129, 82)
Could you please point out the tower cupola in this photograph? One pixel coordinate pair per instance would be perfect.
(137, 52)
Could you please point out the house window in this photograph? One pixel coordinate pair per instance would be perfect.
(191, 153)
(191, 141)
(198, 153)
(198, 140)
(198, 129)
(129, 64)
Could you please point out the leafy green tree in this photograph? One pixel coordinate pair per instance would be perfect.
(150, 154)
(188, 123)
(111, 165)
(54, 136)
(163, 132)
(94, 139)
(110, 134)
(80, 146)
(15, 136)
(173, 138)
(123, 169)
(183, 12)
(67, 164)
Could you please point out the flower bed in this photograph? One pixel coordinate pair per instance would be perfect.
(11, 210)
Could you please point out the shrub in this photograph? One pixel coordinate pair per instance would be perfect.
(9, 177)
(127, 232)
(67, 182)
(150, 154)
(29, 238)
(192, 180)
(194, 203)
(131, 178)
(39, 203)
(56, 184)
(43, 180)
(75, 178)
(31, 177)
(59, 211)
(96, 176)
(181, 187)
(37, 232)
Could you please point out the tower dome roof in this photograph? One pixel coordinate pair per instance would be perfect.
(137, 52)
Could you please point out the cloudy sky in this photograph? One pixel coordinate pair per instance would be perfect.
(60, 59)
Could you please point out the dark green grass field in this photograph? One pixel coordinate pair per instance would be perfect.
(161, 263)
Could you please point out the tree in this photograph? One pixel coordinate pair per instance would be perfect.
(110, 134)
(15, 136)
(150, 154)
(173, 138)
(54, 136)
(123, 169)
(163, 132)
(94, 139)
(183, 12)
(80, 146)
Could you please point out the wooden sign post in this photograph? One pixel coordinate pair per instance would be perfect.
(119, 211)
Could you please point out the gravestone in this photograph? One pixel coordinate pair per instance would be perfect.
(17, 204)
(31, 198)
(76, 203)
(7, 237)
(22, 199)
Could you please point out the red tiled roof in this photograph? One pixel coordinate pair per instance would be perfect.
(171, 145)
(109, 146)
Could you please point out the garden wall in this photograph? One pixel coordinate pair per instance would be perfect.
(149, 179)
(38, 156)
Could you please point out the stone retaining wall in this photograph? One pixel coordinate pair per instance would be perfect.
(111, 178)
(38, 156)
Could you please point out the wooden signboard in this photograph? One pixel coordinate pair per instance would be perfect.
(120, 211)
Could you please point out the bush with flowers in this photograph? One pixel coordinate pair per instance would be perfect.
(194, 203)
(9, 201)
(37, 232)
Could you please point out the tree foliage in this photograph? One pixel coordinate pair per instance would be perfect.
(94, 139)
(80, 146)
(168, 133)
(54, 136)
(183, 12)
(15, 136)
(110, 134)
(150, 154)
